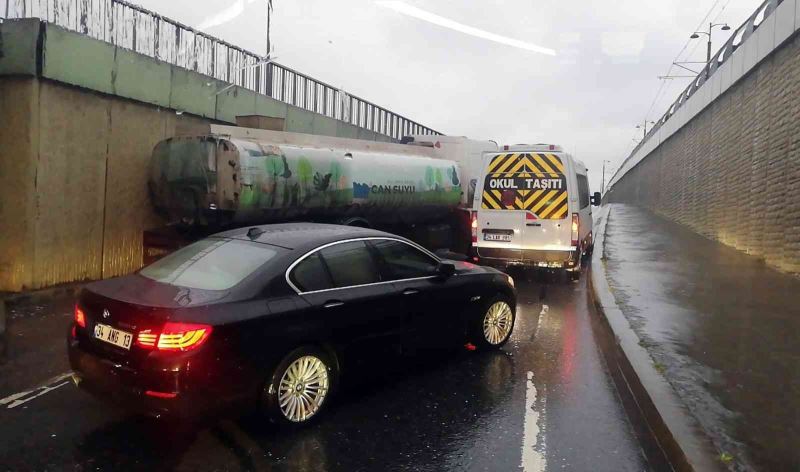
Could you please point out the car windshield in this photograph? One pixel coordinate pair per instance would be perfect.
(210, 264)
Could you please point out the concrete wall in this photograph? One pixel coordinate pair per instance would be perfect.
(79, 120)
(74, 192)
(732, 171)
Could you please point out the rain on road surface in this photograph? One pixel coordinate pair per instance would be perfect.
(545, 402)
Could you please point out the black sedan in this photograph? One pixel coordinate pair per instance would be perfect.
(268, 318)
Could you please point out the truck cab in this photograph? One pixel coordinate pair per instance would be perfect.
(533, 208)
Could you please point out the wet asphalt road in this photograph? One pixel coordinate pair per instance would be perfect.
(545, 402)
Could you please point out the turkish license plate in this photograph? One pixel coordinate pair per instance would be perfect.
(496, 237)
(113, 336)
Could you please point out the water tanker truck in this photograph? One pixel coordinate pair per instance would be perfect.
(233, 177)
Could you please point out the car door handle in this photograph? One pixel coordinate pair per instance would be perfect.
(410, 291)
(333, 303)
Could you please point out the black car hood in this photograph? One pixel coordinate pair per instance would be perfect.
(139, 290)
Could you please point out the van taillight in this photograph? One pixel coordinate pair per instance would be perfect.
(174, 337)
(474, 226)
(576, 222)
(80, 317)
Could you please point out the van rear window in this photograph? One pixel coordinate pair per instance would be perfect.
(530, 182)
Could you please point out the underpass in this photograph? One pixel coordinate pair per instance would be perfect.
(721, 161)
(545, 402)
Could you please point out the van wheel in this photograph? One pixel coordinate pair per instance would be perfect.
(300, 387)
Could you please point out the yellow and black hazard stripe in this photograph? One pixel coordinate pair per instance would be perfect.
(515, 163)
(544, 203)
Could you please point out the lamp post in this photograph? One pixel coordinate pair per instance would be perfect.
(269, 21)
(643, 127)
(711, 26)
(603, 182)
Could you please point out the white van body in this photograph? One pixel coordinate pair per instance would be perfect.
(533, 208)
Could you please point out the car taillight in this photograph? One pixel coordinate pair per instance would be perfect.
(474, 226)
(174, 337)
(575, 225)
(147, 339)
(80, 317)
(153, 393)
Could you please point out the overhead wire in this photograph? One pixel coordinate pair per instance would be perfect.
(677, 56)
(671, 66)
(697, 43)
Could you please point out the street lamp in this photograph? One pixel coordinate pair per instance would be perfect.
(711, 26)
(269, 21)
(643, 127)
(603, 182)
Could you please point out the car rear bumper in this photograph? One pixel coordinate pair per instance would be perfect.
(527, 257)
(170, 392)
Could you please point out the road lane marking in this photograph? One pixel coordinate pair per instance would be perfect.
(21, 398)
(545, 309)
(533, 439)
(533, 459)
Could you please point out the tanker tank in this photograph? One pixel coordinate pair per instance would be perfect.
(222, 180)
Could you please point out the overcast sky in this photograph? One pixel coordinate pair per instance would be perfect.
(407, 57)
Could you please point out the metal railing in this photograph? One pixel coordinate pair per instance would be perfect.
(146, 32)
(737, 39)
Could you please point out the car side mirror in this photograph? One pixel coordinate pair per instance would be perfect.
(448, 254)
(446, 269)
(596, 199)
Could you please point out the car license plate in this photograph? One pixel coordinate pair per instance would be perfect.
(113, 336)
(496, 237)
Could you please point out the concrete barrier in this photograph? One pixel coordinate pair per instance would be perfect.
(80, 119)
(671, 437)
(726, 164)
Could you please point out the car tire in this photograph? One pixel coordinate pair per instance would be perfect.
(493, 326)
(300, 388)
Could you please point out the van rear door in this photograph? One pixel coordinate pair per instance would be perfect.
(548, 225)
(500, 222)
(527, 199)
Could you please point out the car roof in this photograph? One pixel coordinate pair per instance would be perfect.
(301, 235)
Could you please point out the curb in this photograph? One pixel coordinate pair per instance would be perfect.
(671, 437)
(43, 295)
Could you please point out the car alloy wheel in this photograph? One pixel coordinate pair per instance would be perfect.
(303, 388)
(497, 323)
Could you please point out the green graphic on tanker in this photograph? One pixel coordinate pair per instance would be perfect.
(275, 180)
